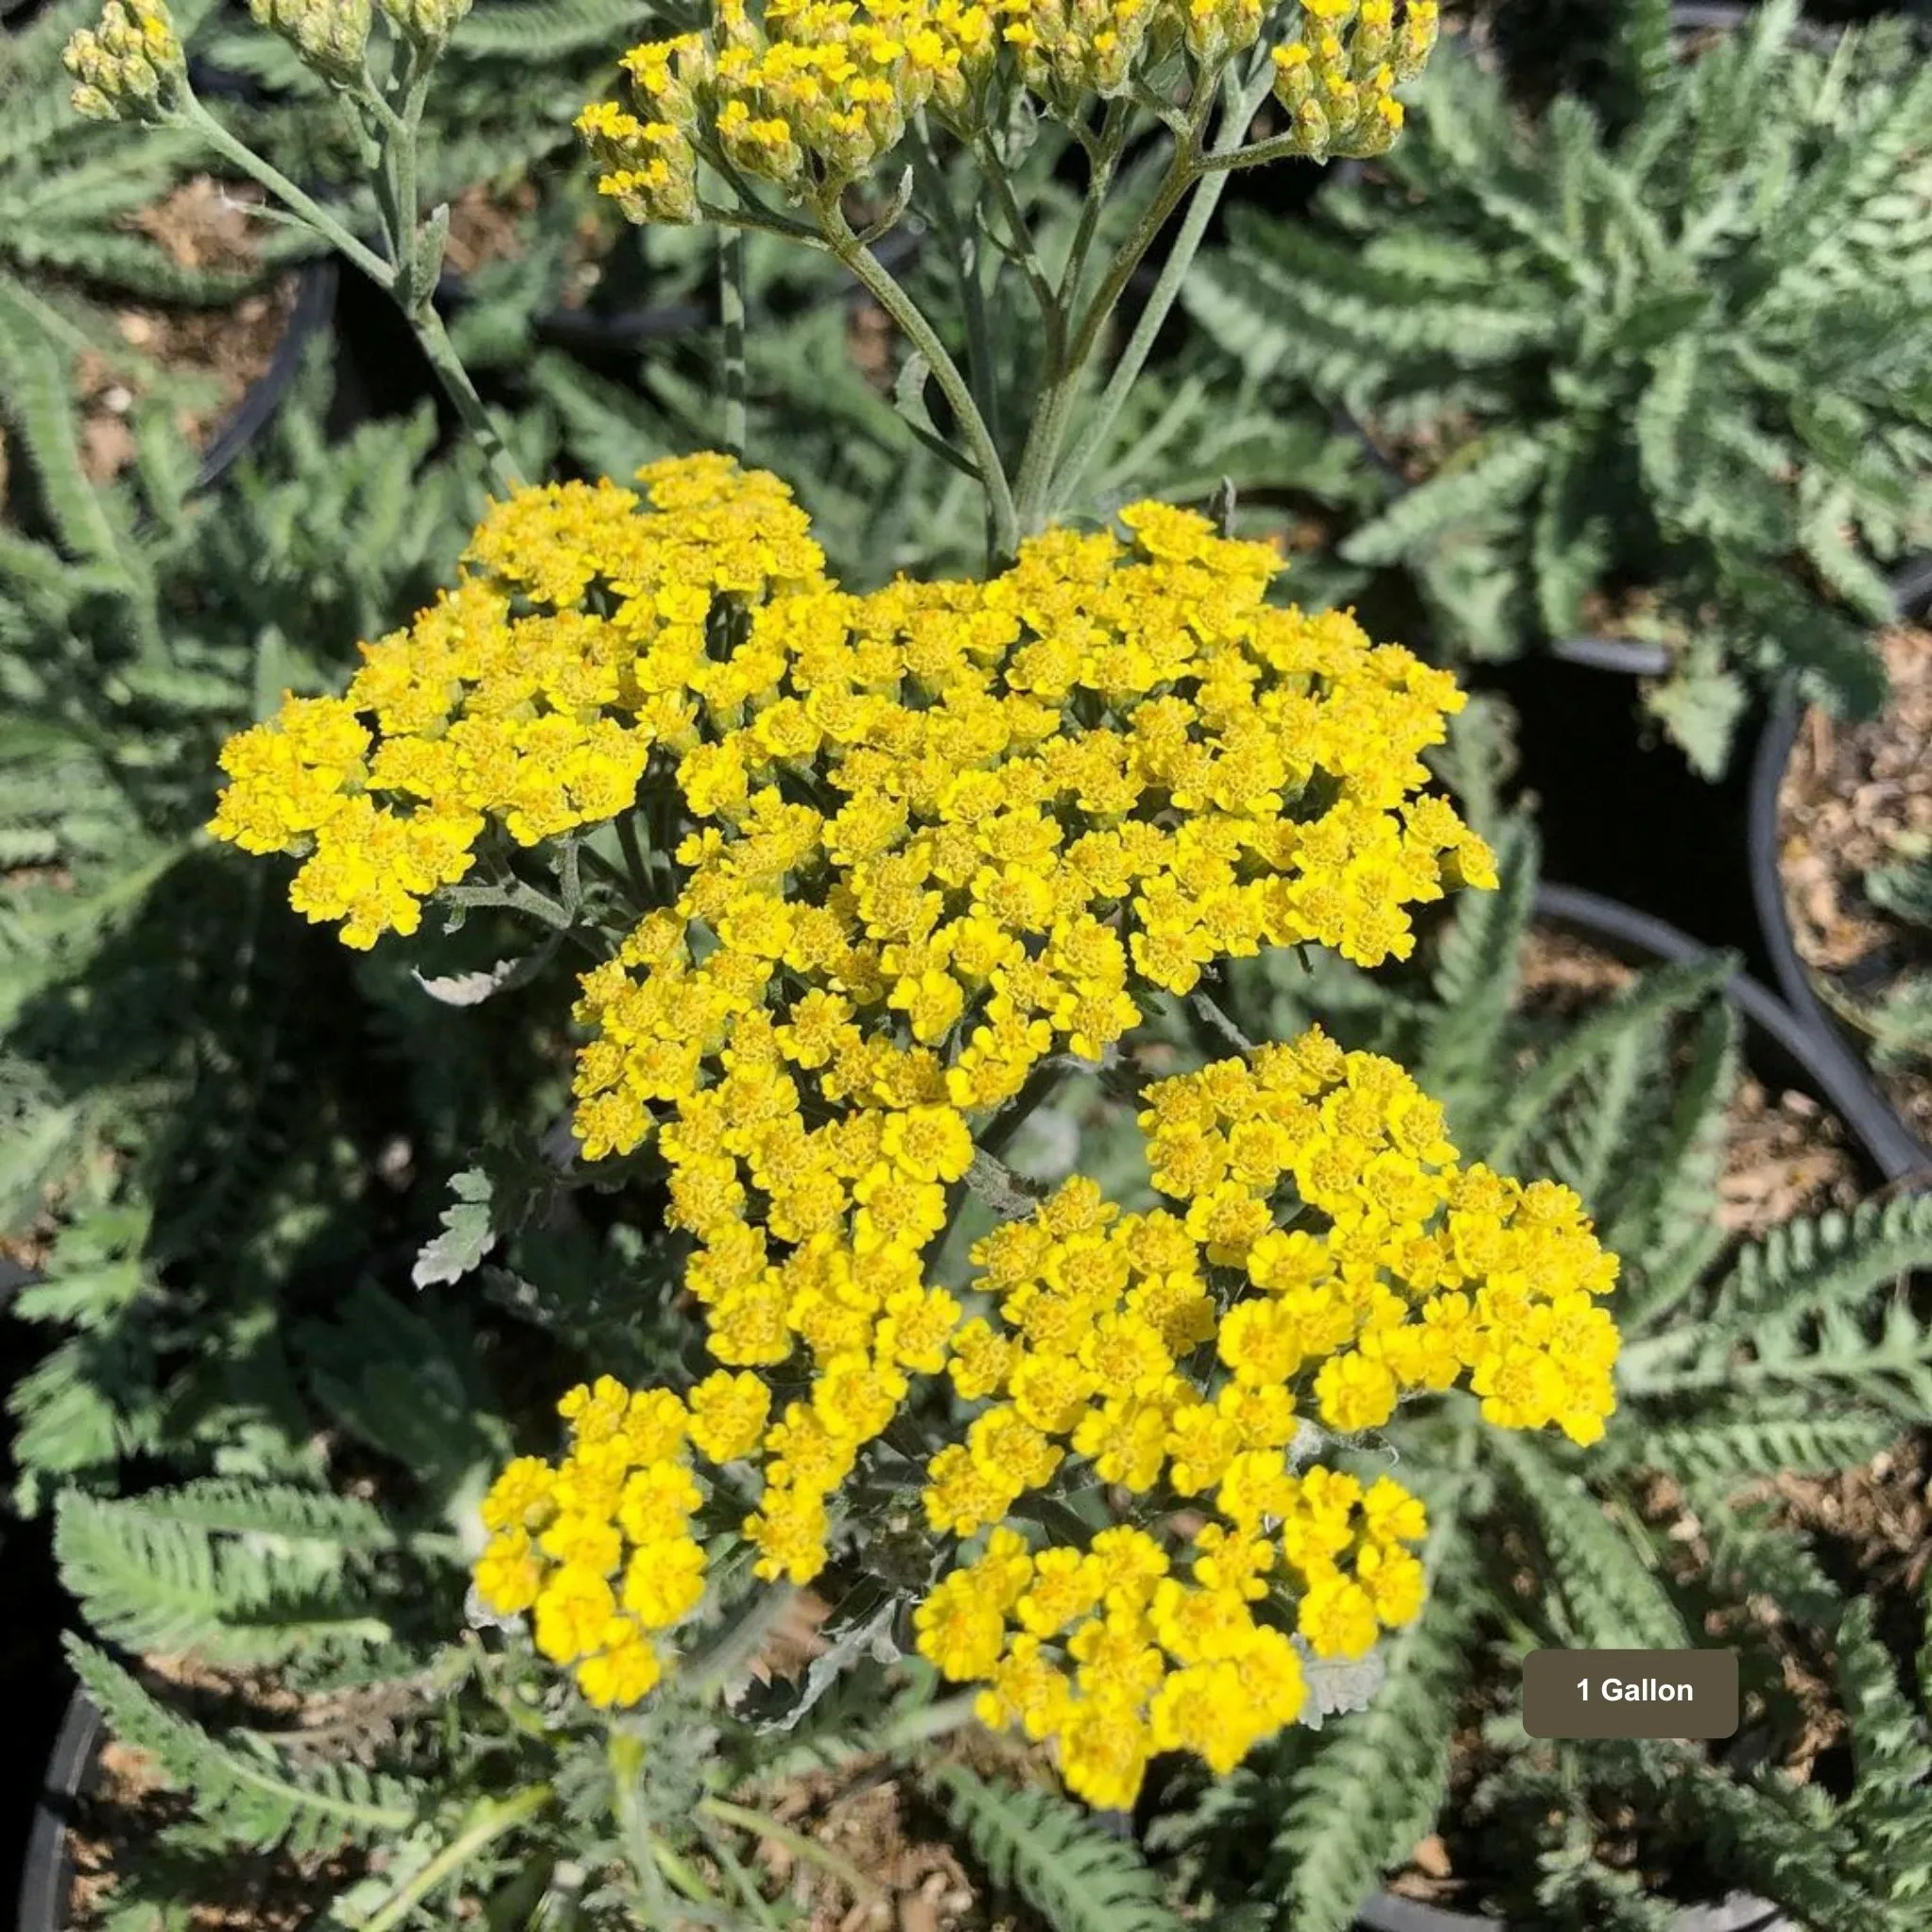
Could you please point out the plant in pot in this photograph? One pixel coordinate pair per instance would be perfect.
(136, 284)
(1665, 379)
(1744, 1361)
(1841, 831)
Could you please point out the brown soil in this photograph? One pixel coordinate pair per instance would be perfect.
(870, 335)
(1855, 797)
(486, 225)
(202, 224)
(129, 1804)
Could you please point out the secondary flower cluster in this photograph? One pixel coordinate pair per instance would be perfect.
(532, 695)
(1339, 85)
(1416, 1269)
(815, 93)
(1333, 1253)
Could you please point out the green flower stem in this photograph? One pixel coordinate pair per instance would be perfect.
(1210, 1009)
(1018, 248)
(1283, 148)
(730, 309)
(878, 283)
(864, 1891)
(1210, 182)
(624, 1757)
(305, 207)
(1056, 402)
(417, 280)
(470, 408)
(982, 371)
(1103, 159)
(390, 277)
(488, 1820)
(634, 859)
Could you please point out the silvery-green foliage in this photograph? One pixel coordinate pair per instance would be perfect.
(1689, 358)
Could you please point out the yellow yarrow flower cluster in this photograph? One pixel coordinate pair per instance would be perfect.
(531, 695)
(815, 94)
(598, 1546)
(967, 823)
(1332, 1256)
(1337, 73)
(1414, 1272)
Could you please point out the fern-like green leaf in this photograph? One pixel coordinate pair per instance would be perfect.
(150, 1574)
(1051, 1853)
(1372, 1787)
(242, 1790)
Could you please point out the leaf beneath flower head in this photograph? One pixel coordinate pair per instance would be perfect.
(1338, 1684)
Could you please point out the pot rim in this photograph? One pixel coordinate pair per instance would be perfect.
(1911, 587)
(46, 1873)
(313, 314)
(1826, 1062)
(1738, 1912)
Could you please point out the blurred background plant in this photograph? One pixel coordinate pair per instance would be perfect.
(1659, 367)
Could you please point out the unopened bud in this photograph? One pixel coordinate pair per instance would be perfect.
(1294, 77)
(329, 36)
(131, 68)
(1311, 126)
(1373, 36)
(428, 23)
(1417, 40)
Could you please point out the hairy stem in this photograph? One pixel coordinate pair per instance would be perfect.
(981, 370)
(302, 206)
(1042, 453)
(731, 310)
(1207, 194)
(487, 1822)
(879, 283)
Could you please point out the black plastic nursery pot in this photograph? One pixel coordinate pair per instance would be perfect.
(46, 1878)
(311, 318)
(1911, 591)
(1905, 1151)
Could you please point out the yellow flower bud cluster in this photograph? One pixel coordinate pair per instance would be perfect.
(131, 67)
(817, 93)
(1068, 51)
(330, 36)
(515, 698)
(1337, 74)
(1172, 1356)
